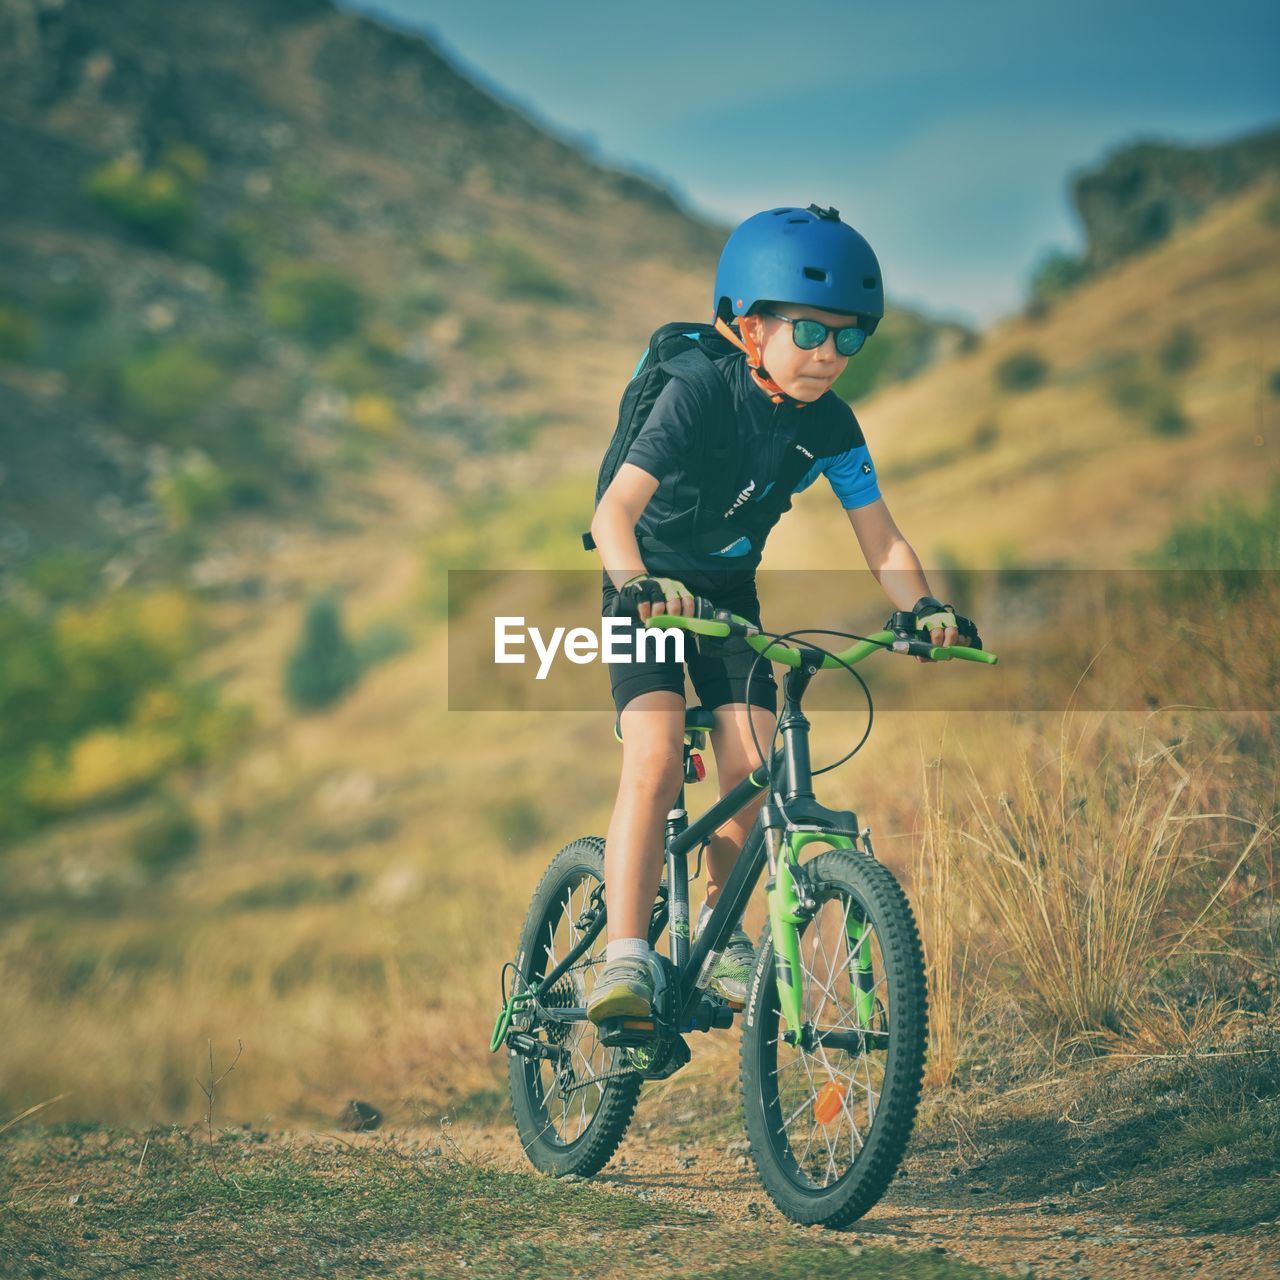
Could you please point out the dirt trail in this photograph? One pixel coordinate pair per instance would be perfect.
(930, 1209)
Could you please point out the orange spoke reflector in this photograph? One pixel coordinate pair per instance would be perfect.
(830, 1099)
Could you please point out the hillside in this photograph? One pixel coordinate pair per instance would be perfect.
(1144, 191)
(299, 245)
(258, 259)
(1077, 436)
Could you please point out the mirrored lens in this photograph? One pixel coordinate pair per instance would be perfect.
(849, 341)
(809, 334)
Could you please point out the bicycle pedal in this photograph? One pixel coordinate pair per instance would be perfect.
(627, 1032)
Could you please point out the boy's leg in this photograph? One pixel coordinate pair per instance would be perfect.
(652, 773)
(736, 757)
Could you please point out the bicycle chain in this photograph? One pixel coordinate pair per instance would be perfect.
(620, 1074)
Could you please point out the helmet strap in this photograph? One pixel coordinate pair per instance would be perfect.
(758, 372)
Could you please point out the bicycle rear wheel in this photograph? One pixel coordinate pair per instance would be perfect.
(571, 1113)
(829, 1118)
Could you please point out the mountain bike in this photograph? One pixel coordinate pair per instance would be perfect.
(835, 1023)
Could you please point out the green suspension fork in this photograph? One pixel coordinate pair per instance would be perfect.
(858, 931)
(786, 915)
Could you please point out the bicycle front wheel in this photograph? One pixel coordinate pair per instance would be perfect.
(829, 1117)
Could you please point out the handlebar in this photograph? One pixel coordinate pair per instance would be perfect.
(710, 621)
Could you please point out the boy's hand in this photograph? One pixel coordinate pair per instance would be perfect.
(644, 595)
(946, 626)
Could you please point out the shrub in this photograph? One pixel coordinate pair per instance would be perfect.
(377, 415)
(1058, 272)
(1128, 390)
(323, 665)
(1230, 534)
(1274, 382)
(155, 204)
(520, 274)
(482, 339)
(17, 332)
(418, 300)
(93, 706)
(193, 493)
(1180, 350)
(73, 304)
(984, 436)
(232, 251)
(103, 765)
(1167, 419)
(357, 366)
(306, 190)
(166, 387)
(67, 573)
(311, 301)
(167, 837)
(1022, 371)
(517, 822)
(255, 458)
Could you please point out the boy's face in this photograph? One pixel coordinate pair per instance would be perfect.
(806, 375)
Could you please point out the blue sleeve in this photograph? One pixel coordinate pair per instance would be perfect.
(851, 474)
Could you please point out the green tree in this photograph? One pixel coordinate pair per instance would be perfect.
(323, 665)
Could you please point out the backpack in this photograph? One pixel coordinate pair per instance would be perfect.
(675, 350)
(686, 351)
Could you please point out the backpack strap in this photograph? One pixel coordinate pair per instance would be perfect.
(718, 424)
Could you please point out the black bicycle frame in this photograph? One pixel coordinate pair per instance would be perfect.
(792, 806)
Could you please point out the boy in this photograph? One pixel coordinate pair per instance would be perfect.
(805, 289)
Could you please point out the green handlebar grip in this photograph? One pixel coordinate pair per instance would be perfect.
(971, 655)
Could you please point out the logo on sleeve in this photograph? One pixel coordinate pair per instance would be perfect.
(866, 468)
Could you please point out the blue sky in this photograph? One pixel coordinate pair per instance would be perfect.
(944, 131)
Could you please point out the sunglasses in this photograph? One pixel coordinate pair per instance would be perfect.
(809, 334)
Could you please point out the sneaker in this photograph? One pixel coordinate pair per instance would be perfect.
(624, 989)
(733, 970)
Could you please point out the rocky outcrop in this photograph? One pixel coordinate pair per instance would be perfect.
(1142, 192)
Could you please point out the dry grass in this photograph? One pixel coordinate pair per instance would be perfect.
(946, 923)
(1103, 901)
(1089, 895)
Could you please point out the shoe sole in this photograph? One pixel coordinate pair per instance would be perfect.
(621, 1004)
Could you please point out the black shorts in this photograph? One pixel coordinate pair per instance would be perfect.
(718, 667)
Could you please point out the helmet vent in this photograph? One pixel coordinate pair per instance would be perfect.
(816, 273)
(868, 282)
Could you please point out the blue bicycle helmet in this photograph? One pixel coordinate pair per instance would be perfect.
(806, 256)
